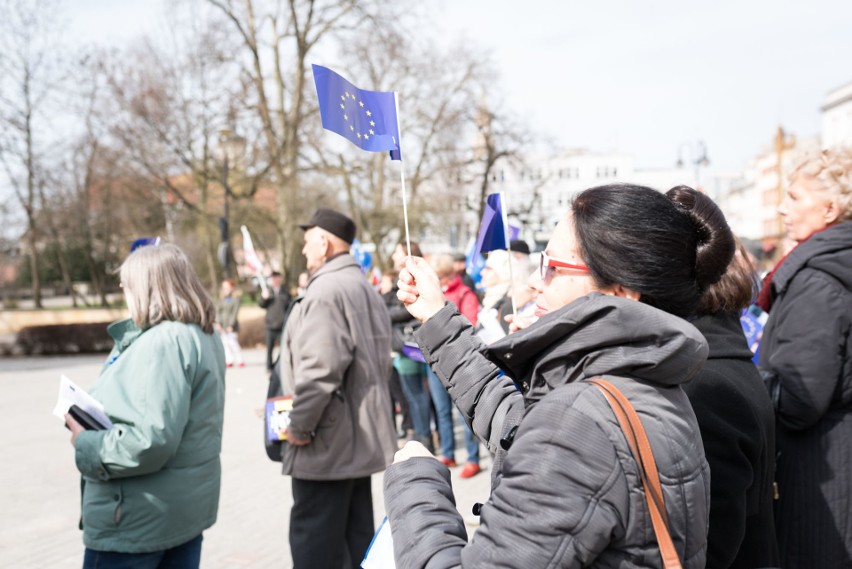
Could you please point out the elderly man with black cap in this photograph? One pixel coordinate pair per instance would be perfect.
(335, 359)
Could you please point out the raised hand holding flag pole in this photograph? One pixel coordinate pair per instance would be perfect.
(367, 119)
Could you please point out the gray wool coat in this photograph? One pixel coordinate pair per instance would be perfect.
(335, 359)
(567, 492)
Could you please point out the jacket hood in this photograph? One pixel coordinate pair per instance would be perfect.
(829, 251)
(601, 335)
(724, 335)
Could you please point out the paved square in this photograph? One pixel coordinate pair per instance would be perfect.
(40, 488)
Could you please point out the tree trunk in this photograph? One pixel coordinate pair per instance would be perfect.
(35, 279)
(66, 274)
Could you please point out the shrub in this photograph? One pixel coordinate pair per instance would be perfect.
(252, 333)
(65, 339)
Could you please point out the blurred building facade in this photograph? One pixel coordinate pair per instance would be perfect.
(539, 192)
(837, 117)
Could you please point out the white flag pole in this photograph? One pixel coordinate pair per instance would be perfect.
(402, 174)
(505, 209)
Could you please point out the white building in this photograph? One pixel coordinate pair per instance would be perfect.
(837, 118)
(539, 194)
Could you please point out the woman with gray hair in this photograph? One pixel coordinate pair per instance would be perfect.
(151, 481)
(806, 361)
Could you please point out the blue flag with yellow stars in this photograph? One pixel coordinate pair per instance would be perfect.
(367, 119)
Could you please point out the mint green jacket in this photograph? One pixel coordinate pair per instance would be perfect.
(151, 482)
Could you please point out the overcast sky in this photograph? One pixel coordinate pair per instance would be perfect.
(644, 78)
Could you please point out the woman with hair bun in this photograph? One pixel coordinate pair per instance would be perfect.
(621, 272)
(734, 414)
(806, 361)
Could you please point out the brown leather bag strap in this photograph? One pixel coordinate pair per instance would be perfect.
(641, 449)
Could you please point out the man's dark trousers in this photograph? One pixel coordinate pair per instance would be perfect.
(273, 335)
(331, 523)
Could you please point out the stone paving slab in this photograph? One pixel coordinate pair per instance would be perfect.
(40, 491)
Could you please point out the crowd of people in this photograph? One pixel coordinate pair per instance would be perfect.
(628, 317)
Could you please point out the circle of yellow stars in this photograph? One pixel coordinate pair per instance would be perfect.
(345, 98)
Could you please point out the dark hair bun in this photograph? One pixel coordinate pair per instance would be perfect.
(715, 244)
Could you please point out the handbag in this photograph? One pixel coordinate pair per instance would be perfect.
(640, 447)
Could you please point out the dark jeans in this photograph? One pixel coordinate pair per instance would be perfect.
(414, 388)
(444, 417)
(184, 556)
(331, 523)
(273, 336)
(398, 396)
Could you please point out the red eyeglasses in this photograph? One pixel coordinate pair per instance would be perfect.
(546, 262)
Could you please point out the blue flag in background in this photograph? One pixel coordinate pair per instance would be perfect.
(492, 230)
(144, 242)
(362, 256)
(514, 232)
(367, 119)
(752, 320)
(474, 263)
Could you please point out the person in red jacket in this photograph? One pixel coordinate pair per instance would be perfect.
(465, 299)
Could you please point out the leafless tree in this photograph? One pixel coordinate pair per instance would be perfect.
(435, 88)
(277, 39)
(30, 72)
(168, 103)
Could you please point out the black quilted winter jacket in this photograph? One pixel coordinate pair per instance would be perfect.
(567, 492)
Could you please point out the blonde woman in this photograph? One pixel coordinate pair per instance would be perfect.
(151, 481)
(227, 323)
(806, 361)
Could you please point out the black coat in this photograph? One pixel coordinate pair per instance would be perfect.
(276, 307)
(806, 355)
(737, 425)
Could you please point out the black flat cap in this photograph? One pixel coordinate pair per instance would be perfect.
(334, 222)
(519, 246)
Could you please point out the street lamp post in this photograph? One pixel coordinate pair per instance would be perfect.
(698, 156)
(231, 148)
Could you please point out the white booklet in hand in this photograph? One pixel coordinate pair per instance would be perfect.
(380, 553)
(72, 394)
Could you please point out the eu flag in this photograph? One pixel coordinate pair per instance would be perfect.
(364, 118)
(492, 231)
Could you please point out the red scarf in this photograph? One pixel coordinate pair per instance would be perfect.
(765, 297)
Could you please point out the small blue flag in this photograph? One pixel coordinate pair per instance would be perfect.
(753, 320)
(367, 119)
(492, 230)
(474, 263)
(144, 242)
(361, 255)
